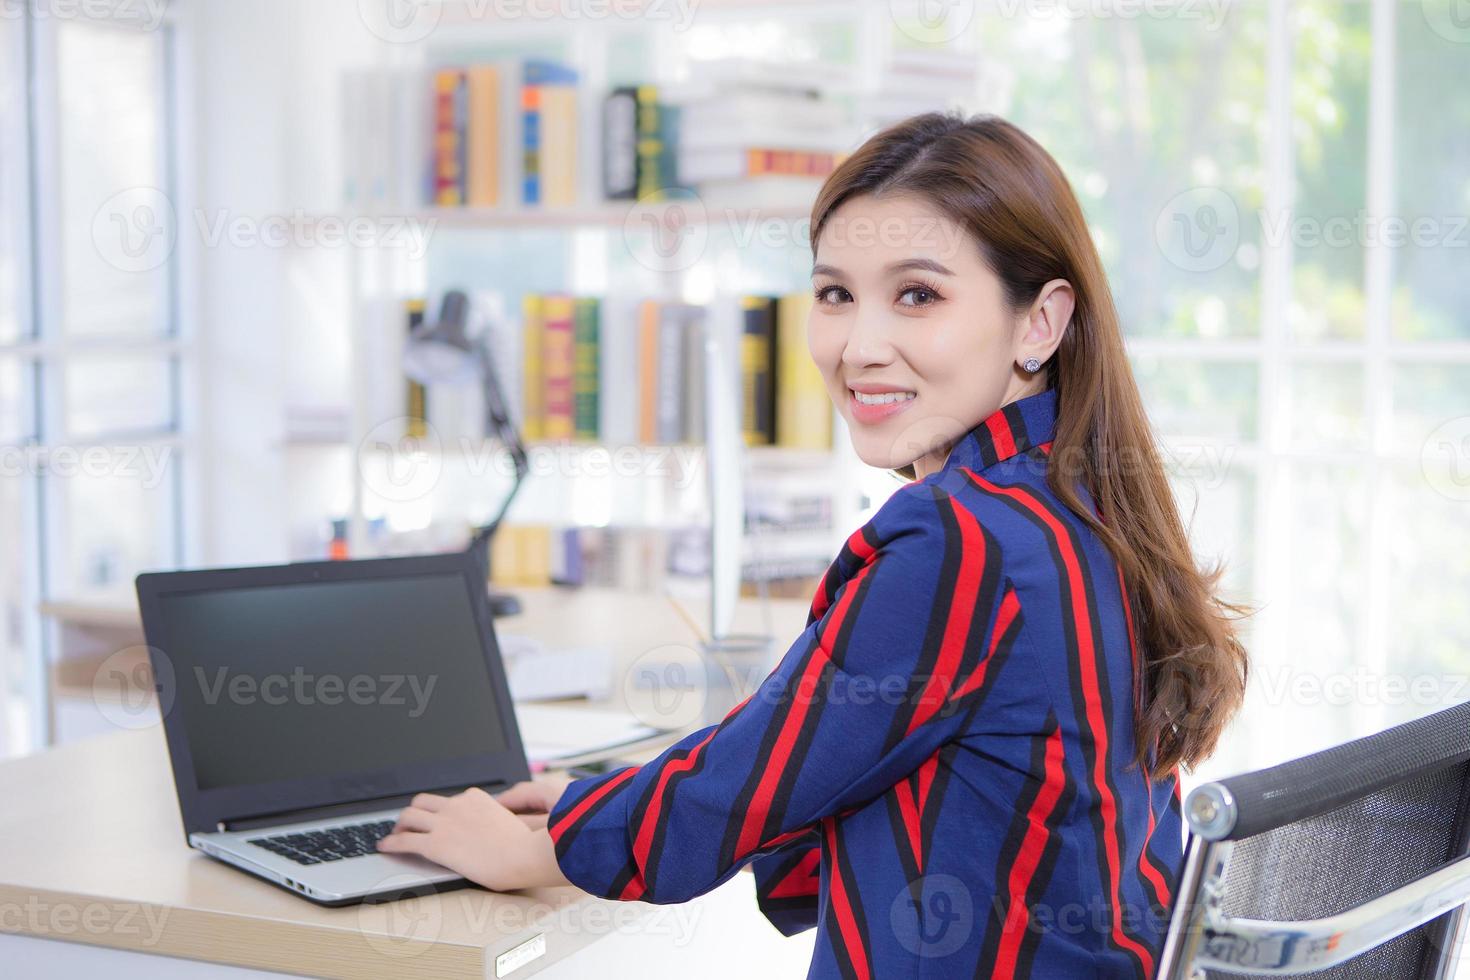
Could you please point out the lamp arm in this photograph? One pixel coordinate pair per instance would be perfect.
(499, 424)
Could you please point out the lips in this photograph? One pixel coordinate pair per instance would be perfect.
(870, 414)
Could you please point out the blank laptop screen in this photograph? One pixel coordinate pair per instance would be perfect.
(328, 678)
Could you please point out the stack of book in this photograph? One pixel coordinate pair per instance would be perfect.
(749, 132)
(505, 133)
(625, 371)
(518, 133)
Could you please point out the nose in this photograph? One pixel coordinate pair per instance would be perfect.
(869, 343)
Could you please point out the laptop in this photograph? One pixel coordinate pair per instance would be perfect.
(305, 704)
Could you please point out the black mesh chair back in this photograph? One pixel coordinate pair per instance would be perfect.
(1346, 864)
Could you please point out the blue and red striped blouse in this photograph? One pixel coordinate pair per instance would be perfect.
(937, 775)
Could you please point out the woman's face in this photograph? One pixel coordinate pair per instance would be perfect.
(911, 331)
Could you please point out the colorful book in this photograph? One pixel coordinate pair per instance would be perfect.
(585, 368)
(657, 146)
(648, 337)
(537, 77)
(450, 107)
(532, 333)
(620, 144)
(758, 370)
(483, 179)
(803, 408)
(558, 364)
(416, 410)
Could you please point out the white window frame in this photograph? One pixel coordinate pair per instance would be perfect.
(31, 139)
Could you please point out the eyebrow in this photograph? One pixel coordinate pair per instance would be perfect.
(902, 265)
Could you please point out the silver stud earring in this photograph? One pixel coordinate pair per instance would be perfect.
(1031, 365)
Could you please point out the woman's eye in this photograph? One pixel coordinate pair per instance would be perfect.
(832, 294)
(923, 296)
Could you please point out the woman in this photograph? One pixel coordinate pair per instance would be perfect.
(967, 763)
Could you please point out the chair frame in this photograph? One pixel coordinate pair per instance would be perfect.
(1202, 937)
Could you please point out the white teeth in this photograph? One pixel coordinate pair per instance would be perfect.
(886, 398)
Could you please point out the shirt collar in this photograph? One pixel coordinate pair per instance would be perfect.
(1008, 431)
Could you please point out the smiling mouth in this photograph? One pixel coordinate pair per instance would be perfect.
(882, 398)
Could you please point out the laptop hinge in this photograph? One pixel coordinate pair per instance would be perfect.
(344, 809)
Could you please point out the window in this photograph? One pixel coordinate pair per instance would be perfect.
(90, 360)
(1302, 349)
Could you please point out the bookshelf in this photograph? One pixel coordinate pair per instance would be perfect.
(579, 247)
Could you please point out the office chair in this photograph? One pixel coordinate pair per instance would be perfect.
(1350, 863)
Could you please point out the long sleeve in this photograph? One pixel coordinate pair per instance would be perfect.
(891, 661)
(786, 885)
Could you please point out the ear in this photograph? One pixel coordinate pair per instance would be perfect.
(1046, 322)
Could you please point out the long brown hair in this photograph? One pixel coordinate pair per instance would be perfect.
(999, 184)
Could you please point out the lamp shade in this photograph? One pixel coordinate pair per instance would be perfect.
(442, 352)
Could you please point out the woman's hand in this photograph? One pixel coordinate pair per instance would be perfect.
(478, 836)
(533, 800)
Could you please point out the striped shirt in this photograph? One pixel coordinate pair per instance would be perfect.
(938, 774)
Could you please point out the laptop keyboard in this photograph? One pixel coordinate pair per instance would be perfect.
(331, 844)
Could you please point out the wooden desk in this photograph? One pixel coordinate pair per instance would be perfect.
(92, 852)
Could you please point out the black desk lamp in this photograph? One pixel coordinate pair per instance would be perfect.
(443, 351)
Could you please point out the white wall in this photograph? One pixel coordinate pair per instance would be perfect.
(260, 145)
